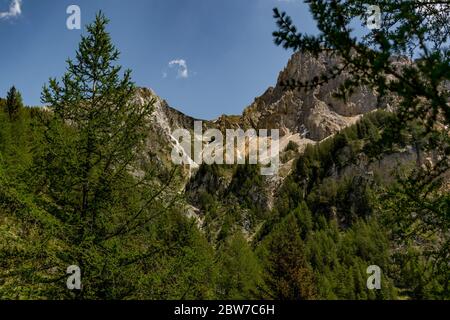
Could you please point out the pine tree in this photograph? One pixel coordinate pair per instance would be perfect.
(240, 272)
(407, 57)
(287, 274)
(88, 171)
(13, 103)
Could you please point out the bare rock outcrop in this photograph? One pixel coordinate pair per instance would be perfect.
(315, 114)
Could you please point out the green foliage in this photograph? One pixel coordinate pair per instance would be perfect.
(247, 186)
(334, 208)
(240, 271)
(13, 103)
(292, 146)
(75, 188)
(350, 197)
(92, 156)
(407, 62)
(287, 274)
(333, 261)
(329, 158)
(419, 214)
(74, 191)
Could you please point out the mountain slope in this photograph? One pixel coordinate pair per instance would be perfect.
(304, 117)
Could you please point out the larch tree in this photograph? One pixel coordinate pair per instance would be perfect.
(88, 175)
(406, 60)
(13, 102)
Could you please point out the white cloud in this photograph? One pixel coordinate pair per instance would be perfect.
(181, 64)
(15, 9)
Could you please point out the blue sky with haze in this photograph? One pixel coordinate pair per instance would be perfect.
(226, 45)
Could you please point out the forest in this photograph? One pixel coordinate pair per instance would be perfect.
(77, 186)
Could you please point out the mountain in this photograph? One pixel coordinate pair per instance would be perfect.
(314, 114)
(318, 207)
(164, 120)
(305, 117)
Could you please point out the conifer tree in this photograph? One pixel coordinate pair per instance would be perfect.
(406, 60)
(287, 274)
(88, 170)
(13, 103)
(240, 272)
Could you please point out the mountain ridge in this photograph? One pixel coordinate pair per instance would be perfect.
(304, 117)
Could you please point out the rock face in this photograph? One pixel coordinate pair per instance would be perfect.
(314, 114)
(302, 116)
(165, 117)
(163, 121)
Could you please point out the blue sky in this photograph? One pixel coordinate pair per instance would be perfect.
(226, 46)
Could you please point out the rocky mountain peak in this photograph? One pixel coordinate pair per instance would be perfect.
(301, 116)
(314, 114)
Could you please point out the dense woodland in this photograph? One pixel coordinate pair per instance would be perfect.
(75, 189)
